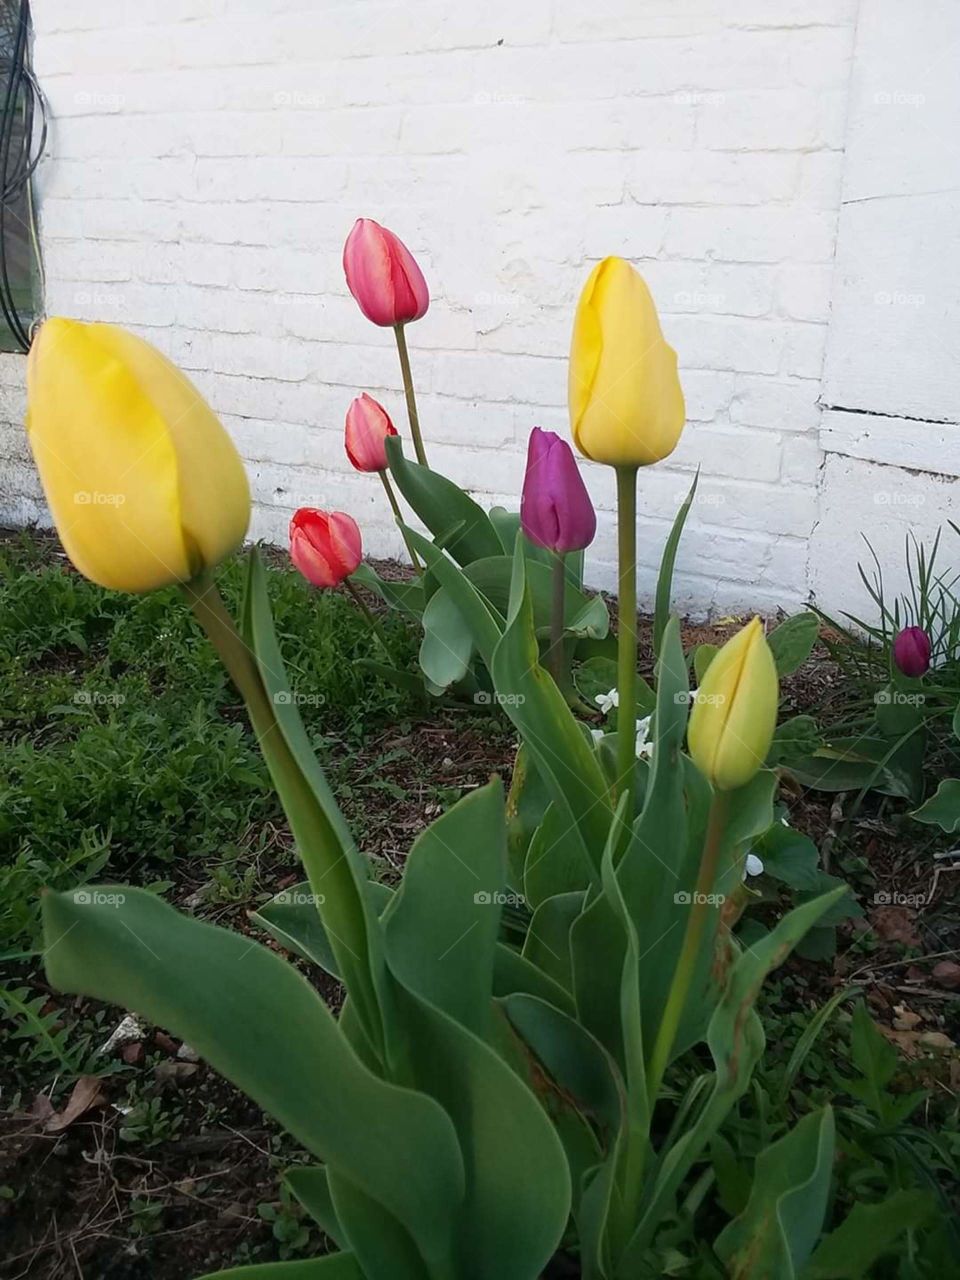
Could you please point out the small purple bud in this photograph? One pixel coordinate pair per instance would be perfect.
(911, 651)
(555, 508)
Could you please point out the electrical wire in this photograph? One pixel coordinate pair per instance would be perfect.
(20, 153)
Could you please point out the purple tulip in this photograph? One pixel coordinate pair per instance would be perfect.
(555, 509)
(911, 651)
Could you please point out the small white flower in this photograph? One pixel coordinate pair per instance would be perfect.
(607, 701)
(753, 866)
(597, 735)
(644, 748)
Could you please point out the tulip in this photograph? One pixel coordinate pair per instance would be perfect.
(911, 651)
(555, 509)
(143, 483)
(383, 276)
(626, 404)
(735, 710)
(324, 545)
(367, 427)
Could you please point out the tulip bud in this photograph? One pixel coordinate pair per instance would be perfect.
(368, 425)
(911, 651)
(555, 509)
(626, 404)
(324, 545)
(144, 485)
(735, 710)
(383, 276)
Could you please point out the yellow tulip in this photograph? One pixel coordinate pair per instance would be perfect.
(735, 710)
(626, 403)
(144, 484)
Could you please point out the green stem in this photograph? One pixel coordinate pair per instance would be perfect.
(373, 624)
(555, 652)
(690, 951)
(408, 392)
(627, 628)
(398, 516)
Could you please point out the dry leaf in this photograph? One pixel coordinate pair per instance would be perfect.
(87, 1094)
(895, 924)
(905, 1019)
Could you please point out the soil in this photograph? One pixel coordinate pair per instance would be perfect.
(102, 1205)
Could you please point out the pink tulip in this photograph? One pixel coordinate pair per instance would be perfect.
(555, 508)
(383, 276)
(324, 545)
(367, 428)
(911, 651)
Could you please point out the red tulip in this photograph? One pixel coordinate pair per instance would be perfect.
(555, 508)
(383, 276)
(911, 651)
(368, 425)
(324, 545)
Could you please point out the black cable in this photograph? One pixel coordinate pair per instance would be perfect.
(18, 162)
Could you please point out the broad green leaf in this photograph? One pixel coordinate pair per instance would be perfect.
(554, 862)
(442, 925)
(664, 593)
(255, 1019)
(852, 764)
(406, 597)
(793, 740)
(310, 1185)
(547, 944)
(943, 808)
(337, 1266)
(704, 655)
(778, 1230)
(527, 802)
(599, 675)
(383, 1249)
(583, 615)
(485, 624)
(868, 1232)
(447, 644)
(457, 523)
(735, 1039)
(788, 856)
(793, 640)
(333, 865)
(409, 681)
(898, 707)
(562, 755)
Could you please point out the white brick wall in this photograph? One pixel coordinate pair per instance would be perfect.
(208, 157)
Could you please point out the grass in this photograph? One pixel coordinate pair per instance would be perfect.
(124, 746)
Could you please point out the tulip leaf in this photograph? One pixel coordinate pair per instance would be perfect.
(562, 755)
(943, 808)
(527, 803)
(547, 944)
(406, 597)
(554, 863)
(254, 1018)
(442, 925)
(310, 1184)
(337, 1266)
(664, 594)
(381, 1246)
(485, 624)
(779, 1228)
(447, 644)
(333, 865)
(703, 656)
(793, 640)
(735, 1039)
(458, 524)
(295, 924)
(584, 615)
